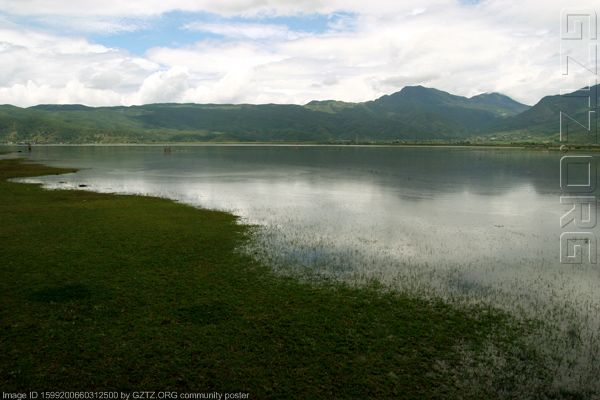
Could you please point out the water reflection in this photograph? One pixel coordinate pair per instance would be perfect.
(465, 224)
(438, 205)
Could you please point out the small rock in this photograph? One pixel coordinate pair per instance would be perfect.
(83, 186)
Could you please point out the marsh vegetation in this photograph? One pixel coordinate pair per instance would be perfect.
(469, 228)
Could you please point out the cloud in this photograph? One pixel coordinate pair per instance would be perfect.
(157, 7)
(163, 87)
(253, 31)
(399, 81)
(38, 67)
(246, 8)
(368, 49)
(233, 87)
(107, 26)
(72, 92)
(149, 7)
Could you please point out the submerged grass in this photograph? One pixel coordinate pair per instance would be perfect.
(106, 292)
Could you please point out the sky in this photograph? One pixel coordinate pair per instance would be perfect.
(115, 52)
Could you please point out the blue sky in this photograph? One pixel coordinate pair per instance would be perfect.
(138, 34)
(169, 30)
(286, 51)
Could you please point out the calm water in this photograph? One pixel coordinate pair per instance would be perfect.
(466, 225)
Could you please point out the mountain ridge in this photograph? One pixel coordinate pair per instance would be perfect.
(415, 113)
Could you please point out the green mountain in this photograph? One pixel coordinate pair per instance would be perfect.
(499, 103)
(414, 113)
(542, 121)
(432, 112)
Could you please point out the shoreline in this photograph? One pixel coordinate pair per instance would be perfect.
(304, 144)
(174, 275)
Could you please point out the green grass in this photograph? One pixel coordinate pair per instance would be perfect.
(106, 292)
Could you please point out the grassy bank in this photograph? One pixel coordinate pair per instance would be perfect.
(123, 292)
(553, 146)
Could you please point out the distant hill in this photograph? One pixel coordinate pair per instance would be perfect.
(542, 121)
(499, 103)
(413, 114)
(440, 114)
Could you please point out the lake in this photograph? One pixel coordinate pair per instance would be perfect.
(468, 225)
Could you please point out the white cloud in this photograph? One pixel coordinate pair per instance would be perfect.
(163, 87)
(37, 67)
(122, 8)
(107, 26)
(381, 46)
(209, 58)
(157, 7)
(230, 88)
(246, 30)
(72, 92)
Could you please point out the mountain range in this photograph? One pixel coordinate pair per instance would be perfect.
(415, 113)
